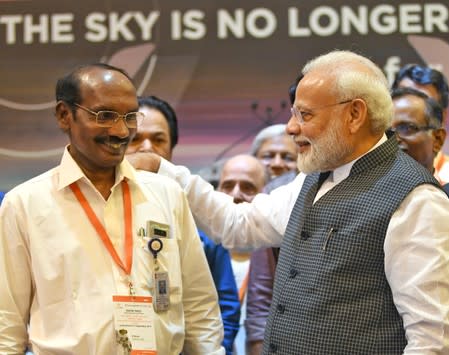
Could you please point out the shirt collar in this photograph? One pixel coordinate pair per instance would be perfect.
(69, 171)
(342, 172)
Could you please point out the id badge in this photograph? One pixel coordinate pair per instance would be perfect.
(161, 291)
(134, 325)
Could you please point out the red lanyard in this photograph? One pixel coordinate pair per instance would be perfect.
(102, 232)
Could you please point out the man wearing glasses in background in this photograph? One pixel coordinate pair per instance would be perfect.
(433, 83)
(417, 123)
(85, 246)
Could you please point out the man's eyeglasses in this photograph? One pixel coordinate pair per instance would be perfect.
(405, 129)
(305, 116)
(108, 118)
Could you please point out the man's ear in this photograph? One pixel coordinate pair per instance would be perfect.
(358, 115)
(64, 115)
(439, 135)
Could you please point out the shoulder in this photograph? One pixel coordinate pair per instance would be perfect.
(415, 172)
(37, 185)
(153, 180)
(280, 180)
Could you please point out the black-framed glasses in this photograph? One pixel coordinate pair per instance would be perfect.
(405, 129)
(305, 116)
(108, 118)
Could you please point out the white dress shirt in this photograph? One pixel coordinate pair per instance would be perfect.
(416, 244)
(56, 274)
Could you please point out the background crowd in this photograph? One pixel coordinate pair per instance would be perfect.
(296, 278)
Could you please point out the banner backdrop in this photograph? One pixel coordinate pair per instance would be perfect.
(225, 66)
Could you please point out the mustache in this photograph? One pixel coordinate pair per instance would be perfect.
(111, 139)
(302, 139)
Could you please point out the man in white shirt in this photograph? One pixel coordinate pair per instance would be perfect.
(96, 258)
(365, 255)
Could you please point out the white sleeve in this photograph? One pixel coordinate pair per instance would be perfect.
(237, 226)
(417, 269)
(15, 281)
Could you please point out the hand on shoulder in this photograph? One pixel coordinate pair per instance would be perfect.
(145, 161)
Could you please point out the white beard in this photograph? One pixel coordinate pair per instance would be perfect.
(326, 152)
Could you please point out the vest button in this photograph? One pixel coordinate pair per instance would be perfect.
(281, 308)
(293, 273)
(273, 347)
(304, 235)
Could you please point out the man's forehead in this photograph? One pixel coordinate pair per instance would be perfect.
(313, 86)
(282, 142)
(428, 89)
(96, 78)
(241, 171)
(412, 107)
(108, 85)
(409, 101)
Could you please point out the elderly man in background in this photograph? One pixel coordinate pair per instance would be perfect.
(275, 149)
(242, 177)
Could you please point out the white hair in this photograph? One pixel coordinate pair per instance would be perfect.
(357, 77)
(269, 132)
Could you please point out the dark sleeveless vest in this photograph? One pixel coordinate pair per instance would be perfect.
(331, 295)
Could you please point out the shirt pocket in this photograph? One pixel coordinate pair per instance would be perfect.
(168, 260)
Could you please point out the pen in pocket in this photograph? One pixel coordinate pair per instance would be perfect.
(328, 237)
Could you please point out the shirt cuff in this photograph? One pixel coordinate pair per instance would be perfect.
(255, 328)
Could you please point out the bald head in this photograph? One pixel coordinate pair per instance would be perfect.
(242, 177)
(69, 87)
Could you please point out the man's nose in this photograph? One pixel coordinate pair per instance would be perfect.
(146, 146)
(237, 194)
(277, 160)
(119, 129)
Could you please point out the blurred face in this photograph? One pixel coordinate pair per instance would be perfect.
(278, 154)
(428, 89)
(420, 144)
(97, 148)
(153, 135)
(322, 140)
(242, 178)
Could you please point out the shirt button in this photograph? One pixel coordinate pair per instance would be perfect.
(273, 347)
(304, 235)
(281, 308)
(293, 273)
